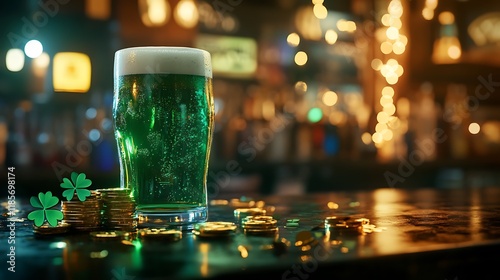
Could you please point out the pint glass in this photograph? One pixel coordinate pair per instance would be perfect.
(163, 117)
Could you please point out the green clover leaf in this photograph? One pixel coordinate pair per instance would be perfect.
(78, 185)
(44, 202)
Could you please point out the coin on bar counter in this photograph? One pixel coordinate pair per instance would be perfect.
(259, 225)
(110, 235)
(118, 209)
(214, 229)
(345, 225)
(243, 212)
(83, 215)
(160, 234)
(45, 229)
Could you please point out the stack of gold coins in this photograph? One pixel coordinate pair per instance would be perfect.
(82, 215)
(214, 229)
(259, 225)
(46, 229)
(118, 209)
(345, 225)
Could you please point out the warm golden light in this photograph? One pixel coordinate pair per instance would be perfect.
(380, 127)
(392, 63)
(390, 109)
(380, 34)
(332, 205)
(386, 47)
(403, 107)
(71, 72)
(98, 9)
(346, 25)
(385, 100)
(484, 29)
(293, 39)
(382, 117)
(387, 134)
(392, 33)
(204, 249)
(243, 251)
(186, 14)
(14, 60)
(431, 4)
(397, 23)
(388, 91)
(301, 58)
(337, 118)
(403, 39)
(446, 50)
(398, 47)
(377, 138)
(427, 13)
(446, 18)
(366, 138)
(307, 24)
(331, 36)
(268, 109)
(454, 52)
(395, 8)
(351, 26)
(474, 128)
(386, 19)
(40, 64)
(330, 98)
(300, 87)
(320, 11)
(154, 13)
(491, 130)
(399, 70)
(377, 64)
(392, 79)
(394, 122)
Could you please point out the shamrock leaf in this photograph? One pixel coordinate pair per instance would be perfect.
(38, 216)
(66, 184)
(74, 175)
(44, 202)
(53, 216)
(68, 194)
(82, 182)
(77, 185)
(48, 200)
(82, 194)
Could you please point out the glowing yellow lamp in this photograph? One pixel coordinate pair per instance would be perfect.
(71, 72)
(154, 13)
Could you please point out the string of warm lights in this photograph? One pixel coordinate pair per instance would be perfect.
(392, 43)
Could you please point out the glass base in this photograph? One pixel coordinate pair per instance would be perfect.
(171, 218)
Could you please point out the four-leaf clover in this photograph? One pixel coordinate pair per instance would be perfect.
(77, 184)
(45, 201)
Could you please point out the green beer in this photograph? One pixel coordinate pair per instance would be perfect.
(163, 116)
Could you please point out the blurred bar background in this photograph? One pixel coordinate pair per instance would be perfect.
(310, 96)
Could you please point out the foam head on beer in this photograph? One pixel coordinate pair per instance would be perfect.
(163, 60)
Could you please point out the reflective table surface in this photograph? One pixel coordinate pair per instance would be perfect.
(411, 234)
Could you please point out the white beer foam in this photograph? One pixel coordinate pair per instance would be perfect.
(162, 60)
